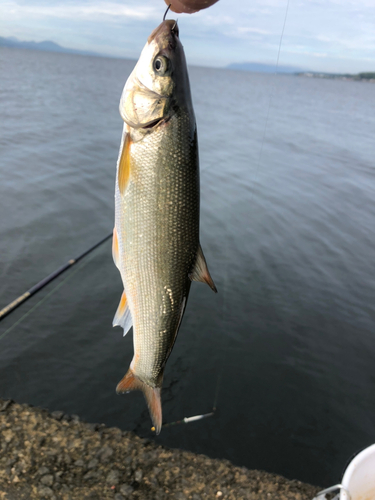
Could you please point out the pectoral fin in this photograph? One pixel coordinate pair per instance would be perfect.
(201, 272)
(124, 165)
(123, 317)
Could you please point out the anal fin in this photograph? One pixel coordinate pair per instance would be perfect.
(152, 395)
(201, 272)
(123, 316)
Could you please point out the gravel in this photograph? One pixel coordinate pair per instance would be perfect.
(56, 456)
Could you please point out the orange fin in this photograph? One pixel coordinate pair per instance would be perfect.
(201, 272)
(124, 165)
(123, 317)
(115, 249)
(152, 395)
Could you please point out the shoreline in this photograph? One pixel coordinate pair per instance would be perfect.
(55, 456)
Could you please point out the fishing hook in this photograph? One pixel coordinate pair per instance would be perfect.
(166, 12)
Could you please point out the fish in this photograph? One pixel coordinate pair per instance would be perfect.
(156, 243)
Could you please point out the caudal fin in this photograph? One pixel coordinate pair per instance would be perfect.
(152, 395)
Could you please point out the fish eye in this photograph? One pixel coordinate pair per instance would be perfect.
(161, 65)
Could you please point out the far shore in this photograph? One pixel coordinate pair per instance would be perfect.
(366, 77)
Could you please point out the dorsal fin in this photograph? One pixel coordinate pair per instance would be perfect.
(123, 316)
(200, 271)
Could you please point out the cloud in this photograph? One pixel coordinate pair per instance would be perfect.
(247, 29)
(83, 10)
(227, 32)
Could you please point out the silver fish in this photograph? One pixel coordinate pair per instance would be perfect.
(156, 236)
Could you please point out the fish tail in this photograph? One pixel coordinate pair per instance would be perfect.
(152, 395)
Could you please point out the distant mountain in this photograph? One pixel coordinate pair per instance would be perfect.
(263, 68)
(46, 46)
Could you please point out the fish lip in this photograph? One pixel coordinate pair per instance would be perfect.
(173, 35)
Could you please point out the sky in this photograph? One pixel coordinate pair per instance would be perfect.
(319, 35)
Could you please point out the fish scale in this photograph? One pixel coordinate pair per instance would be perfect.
(160, 247)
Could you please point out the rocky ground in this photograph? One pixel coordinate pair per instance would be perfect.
(55, 456)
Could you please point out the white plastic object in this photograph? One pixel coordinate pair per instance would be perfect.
(359, 477)
(332, 489)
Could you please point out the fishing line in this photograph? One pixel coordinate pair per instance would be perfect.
(224, 315)
(271, 96)
(38, 304)
(226, 281)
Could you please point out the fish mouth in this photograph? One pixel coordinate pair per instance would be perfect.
(174, 31)
(166, 34)
(154, 123)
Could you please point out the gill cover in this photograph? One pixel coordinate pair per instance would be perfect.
(140, 106)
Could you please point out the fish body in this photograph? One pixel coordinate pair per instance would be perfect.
(156, 236)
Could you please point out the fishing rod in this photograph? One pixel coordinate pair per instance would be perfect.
(25, 296)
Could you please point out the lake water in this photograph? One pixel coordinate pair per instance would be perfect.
(286, 350)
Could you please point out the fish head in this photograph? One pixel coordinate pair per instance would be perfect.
(159, 83)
